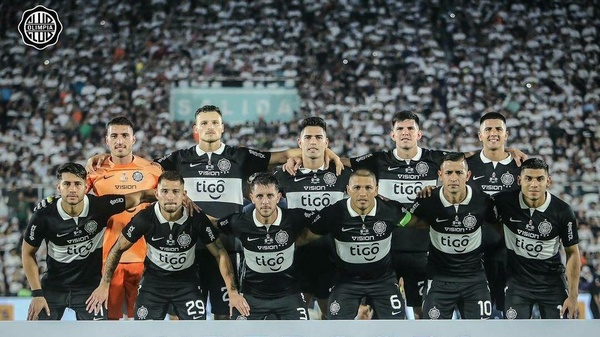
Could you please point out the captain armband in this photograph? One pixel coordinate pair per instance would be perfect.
(405, 220)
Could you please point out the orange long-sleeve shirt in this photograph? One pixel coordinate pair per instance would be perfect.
(111, 178)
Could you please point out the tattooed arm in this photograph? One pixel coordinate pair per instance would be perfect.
(235, 299)
(100, 295)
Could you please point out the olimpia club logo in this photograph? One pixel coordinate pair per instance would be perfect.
(40, 27)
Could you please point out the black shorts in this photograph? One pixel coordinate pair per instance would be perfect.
(212, 283)
(412, 267)
(520, 299)
(472, 299)
(315, 266)
(58, 301)
(288, 307)
(155, 298)
(383, 293)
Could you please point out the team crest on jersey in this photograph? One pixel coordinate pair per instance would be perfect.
(329, 179)
(434, 313)
(137, 176)
(470, 221)
(224, 165)
(334, 308)
(142, 312)
(507, 179)
(184, 240)
(511, 313)
(422, 168)
(545, 227)
(282, 237)
(91, 227)
(493, 178)
(123, 177)
(379, 227)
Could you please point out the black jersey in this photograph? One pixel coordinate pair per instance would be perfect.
(455, 232)
(268, 270)
(313, 190)
(533, 237)
(74, 257)
(170, 252)
(215, 180)
(362, 244)
(491, 176)
(401, 180)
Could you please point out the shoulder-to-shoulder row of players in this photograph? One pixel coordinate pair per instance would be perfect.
(348, 237)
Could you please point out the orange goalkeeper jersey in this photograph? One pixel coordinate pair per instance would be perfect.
(111, 178)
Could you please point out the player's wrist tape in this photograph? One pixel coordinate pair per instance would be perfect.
(37, 293)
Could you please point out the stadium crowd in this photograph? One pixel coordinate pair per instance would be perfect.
(354, 63)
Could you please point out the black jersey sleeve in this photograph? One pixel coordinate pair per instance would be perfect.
(169, 162)
(254, 160)
(206, 234)
(226, 224)
(35, 232)
(568, 227)
(368, 161)
(111, 204)
(319, 221)
(139, 226)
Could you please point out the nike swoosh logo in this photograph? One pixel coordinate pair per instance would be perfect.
(61, 235)
(514, 220)
(393, 168)
(298, 179)
(97, 318)
(194, 165)
(475, 178)
(440, 220)
(396, 312)
(156, 239)
(253, 239)
(346, 229)
(108, 177)
(196, 317)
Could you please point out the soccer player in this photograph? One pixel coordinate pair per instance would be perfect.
(361, 227)
(493, 170)
(123, 172)
(170, 277)
(314, 188)
(214, 175)
(73, 229)
(269, 234)
(536, 222)
(455, 214)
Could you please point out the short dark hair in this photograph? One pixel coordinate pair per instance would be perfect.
(120, 120)
(171, 176)
(74, 168)
(264, 179)
(534, 164)
(313, 121)
(492, 115)
(208, 108)
(456, 157)
(404, 115)
(363, 173)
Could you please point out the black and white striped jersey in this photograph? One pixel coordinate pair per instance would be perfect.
(533, 237)
(215, 180)
(362, 243)
(313, 190)
(493, 177)
(401, 180)
(170, 252)
(455, 232)
(74, 257)
(268, 270)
